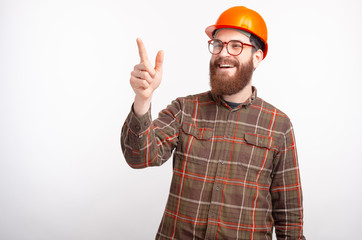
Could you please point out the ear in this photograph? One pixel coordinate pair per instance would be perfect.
(258, 57)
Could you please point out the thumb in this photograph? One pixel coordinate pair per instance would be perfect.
(159, 61)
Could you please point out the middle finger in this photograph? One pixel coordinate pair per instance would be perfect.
(145, 66)
(145, 76)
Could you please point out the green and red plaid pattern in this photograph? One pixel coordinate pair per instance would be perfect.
(235, 171)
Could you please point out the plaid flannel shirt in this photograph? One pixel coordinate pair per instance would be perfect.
(235, 171)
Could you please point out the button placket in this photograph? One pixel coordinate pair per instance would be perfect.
(227, 128)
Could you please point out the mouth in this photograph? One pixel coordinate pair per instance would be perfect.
(225, 66)
(225, 63)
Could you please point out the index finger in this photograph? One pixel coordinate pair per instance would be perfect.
(142, 50)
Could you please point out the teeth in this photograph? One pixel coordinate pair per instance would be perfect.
(226, 66)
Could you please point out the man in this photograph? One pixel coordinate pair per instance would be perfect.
(235, 168)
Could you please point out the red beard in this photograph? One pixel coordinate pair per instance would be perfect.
(222, 84)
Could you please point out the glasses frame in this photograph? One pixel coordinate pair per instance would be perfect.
(227, 46)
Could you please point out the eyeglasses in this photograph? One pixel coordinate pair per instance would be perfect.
(233, 47)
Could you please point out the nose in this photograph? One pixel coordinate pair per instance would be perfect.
(224, 51)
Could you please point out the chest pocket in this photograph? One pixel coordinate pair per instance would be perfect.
(199, 133)
(195, 143)
(257, 153)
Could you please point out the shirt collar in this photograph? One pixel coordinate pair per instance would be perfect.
(219, 100)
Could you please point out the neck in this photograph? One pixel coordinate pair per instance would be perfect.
(240, 96)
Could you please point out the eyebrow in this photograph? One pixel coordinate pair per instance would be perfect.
(232, 40)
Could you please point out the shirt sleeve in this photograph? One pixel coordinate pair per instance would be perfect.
(150, 143)
(286, 191)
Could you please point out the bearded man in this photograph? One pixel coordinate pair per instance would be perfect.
(235, 167)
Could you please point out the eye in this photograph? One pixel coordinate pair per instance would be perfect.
(236, 45)
(217, 44)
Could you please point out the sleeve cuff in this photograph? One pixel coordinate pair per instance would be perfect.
(139, 125)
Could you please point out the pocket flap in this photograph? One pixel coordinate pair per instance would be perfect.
(199, 133)
(259, 140)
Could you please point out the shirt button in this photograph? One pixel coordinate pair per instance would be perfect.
(212, 215)
(217, 188)
(221, 161)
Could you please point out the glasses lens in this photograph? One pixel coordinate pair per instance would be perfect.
(235, 47)
(215, 46)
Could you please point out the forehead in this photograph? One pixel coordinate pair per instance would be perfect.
(230, 34)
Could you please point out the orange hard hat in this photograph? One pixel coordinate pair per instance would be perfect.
(244, 19)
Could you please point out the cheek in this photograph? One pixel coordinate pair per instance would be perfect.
(246, 54)
(246, 58)
(212, 59)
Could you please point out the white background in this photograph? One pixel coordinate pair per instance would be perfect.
(64, 94)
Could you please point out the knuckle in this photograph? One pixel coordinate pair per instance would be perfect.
(145, 65)
(137, 67)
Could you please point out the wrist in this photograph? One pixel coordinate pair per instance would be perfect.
(141, 105)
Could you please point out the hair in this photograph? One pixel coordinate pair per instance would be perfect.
(257, 42)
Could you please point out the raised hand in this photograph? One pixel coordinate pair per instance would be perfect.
(145, 79)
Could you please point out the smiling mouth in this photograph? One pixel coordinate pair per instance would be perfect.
(225, 66)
